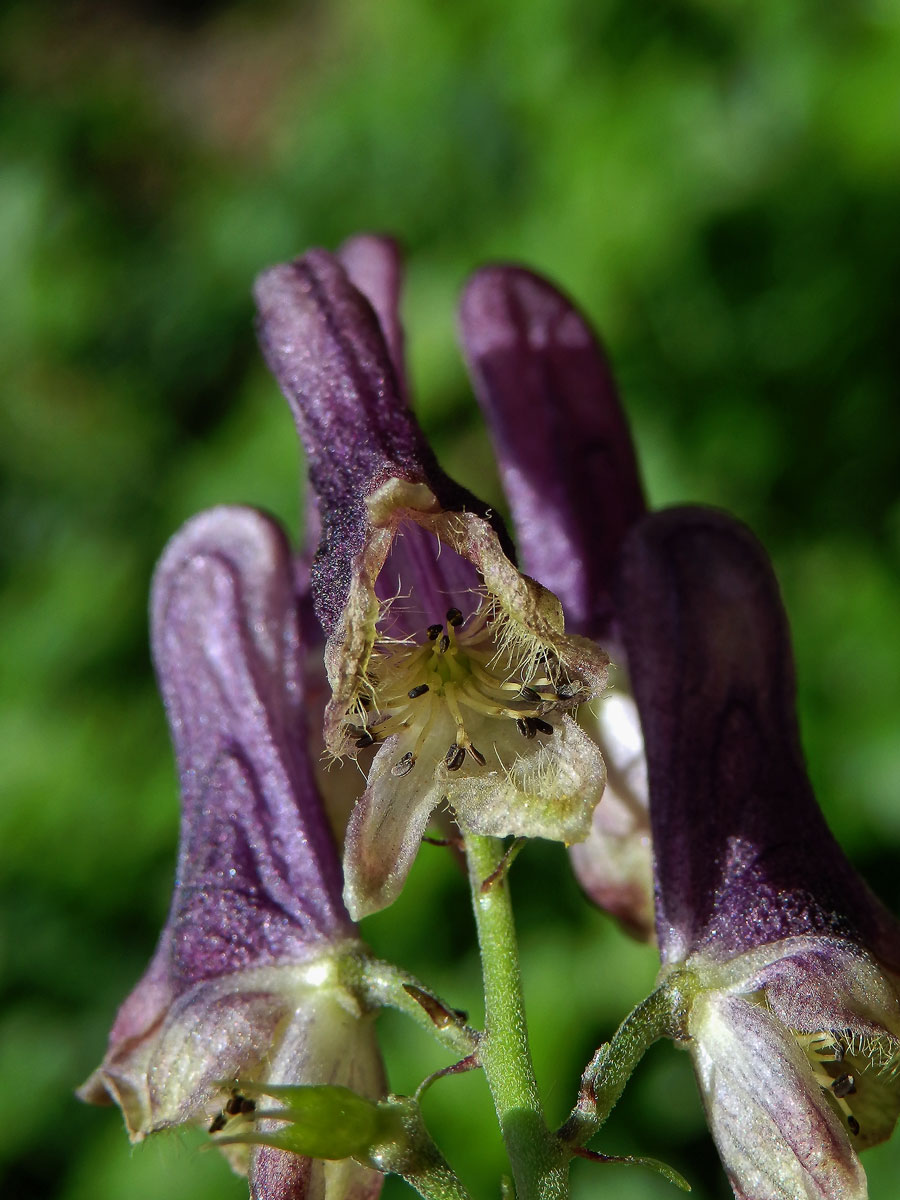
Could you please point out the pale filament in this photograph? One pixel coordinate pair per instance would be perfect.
(462, 666)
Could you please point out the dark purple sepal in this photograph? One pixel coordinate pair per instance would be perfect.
(743, 856)
(323, 342)
(563, 445)
(374, 266)
(420, 585)
(258, 873)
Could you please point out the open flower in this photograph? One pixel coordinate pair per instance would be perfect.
(247, 980)
(440, 654)
(569, 471)
(789, 962)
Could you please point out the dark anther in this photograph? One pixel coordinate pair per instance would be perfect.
(417, 691)
(233, 1107)
(542, 726)
(477, 755)
(434, 632)
(454, 617)
(853, 1125)
(844, 1085)
(443, 644)
(525, 727)
(454, 758)
(404, 765)
(568, 690)
(364, 739)
(218, 1123)
(247, 1106)
(529, 694)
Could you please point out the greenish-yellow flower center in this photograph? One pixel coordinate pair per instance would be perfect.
(464, 693)
(853, 1070)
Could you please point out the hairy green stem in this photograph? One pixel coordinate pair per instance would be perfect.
(385, 985)
(539, 1162)
(412, 1154)
(605, 1077)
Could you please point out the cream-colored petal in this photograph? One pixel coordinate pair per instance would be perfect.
(614, 864)
(386, 828)
(777, 1135)
(327, 1042)
(547, 787)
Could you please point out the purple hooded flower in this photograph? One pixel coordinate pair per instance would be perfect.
(792, 964)
(570, 474)
(446, 661)
(247, 979)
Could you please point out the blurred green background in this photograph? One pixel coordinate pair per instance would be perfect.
(718, 185)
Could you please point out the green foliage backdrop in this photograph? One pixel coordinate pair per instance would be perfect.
(717, 183)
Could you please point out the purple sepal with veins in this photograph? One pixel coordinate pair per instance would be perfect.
(563, 445)
(570, 473)
(245, 981)
(438, 650)
(324, 344)
(742, 852)
(795, 1022)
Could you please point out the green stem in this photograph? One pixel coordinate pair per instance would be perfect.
(385, 985)
(538, 1161)
(411, 1153)
(605, 1077)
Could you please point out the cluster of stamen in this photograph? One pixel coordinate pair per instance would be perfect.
(462, 668)
(841, 1059)
(236, 1106)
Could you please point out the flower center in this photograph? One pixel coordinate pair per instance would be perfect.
(847, 1065)
(459, 693)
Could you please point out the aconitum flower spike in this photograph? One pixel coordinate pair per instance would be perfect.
(791, 964)
(569, 470)
(247, 980)
(439, 653)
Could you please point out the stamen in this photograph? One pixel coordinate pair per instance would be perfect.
(454, 757)
(472, 696)
(472, 665)
(450, 695)
(404, 765)
(844, 1085)
(841, 1060)
(239, 1105)
(218, 1123)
